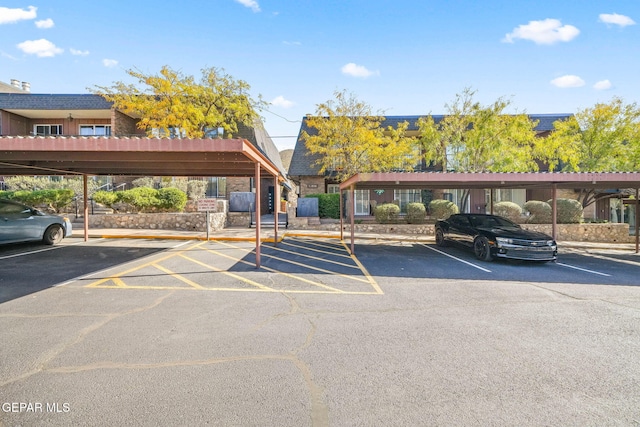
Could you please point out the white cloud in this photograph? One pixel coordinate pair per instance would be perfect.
(547, 31)
(11, 16)
(109, 63)
(568, 81)
(355, 70)
(251, 4)
(292, 43)
(603, 85)
(41, 48)
(280, 101)
(614, 18)
(45, 23)
(79, 52)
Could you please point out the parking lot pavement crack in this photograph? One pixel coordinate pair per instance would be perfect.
(43, 361)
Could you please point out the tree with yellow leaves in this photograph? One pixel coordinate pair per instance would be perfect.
(347, 138)
(175, 104)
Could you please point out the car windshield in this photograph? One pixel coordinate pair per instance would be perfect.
(491, 221)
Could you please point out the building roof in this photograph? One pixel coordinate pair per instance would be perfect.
(49, 105)
(303, 163)
(35, 101)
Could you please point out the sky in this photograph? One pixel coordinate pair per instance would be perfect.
(400, 57)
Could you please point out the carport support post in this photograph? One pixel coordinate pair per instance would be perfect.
(256, 182)
(85, 214)
(352, 197)
(554, 211)
(276, 208)
(341, 216)
(637, 215)
(491, 200)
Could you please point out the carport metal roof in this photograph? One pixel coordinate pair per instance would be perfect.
(138, 156)
(130, 156)
(492, 180)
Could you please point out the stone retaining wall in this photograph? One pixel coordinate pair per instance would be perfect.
(160, 221)
(608, 232)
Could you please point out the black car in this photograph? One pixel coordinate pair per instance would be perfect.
(492, 236)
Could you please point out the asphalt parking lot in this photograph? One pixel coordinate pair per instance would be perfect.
(148, 332)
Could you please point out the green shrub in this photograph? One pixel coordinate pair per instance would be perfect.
(539, 212)
(53, 199)
(106, 198)
(142, 199)
(387, 213)
(569, 211)
(328, 205)
(442, 209)
(509, 210)
(416, 213)
(171, 199)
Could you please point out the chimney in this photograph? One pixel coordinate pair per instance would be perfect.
(15, 83)
(26, 86)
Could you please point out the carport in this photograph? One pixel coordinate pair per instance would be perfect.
(491, 181)
(85, 156)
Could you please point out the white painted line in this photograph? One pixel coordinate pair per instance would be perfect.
(40, 250)
(582, 269)
(95, 273)
(457, 259)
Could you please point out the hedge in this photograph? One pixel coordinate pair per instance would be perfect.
(569, 211)
(442, 209)
(328, 204)
(387, 213)
(509, 210)
(539, 212)
(145, 199)
(416, 213)
(53, 199)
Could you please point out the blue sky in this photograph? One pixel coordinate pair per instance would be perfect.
(401, 57)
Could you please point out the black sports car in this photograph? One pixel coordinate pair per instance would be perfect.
(493, 236)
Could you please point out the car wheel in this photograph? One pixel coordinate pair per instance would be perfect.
(53, 234)
(440, 240)
(482, 249)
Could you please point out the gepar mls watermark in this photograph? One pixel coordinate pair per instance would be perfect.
(35, 407)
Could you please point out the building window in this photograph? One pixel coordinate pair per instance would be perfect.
(333, 188)
(361, 199)
(95, 130)
(217, 187)
(407, 196)
(46, 130)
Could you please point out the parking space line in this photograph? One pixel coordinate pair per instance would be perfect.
(582, 269)
(315, 258)
(302, 279)
(369, 277)
(457, 259)
(178, 276)
(227, 273)
(322, 270)
(328, 244)
(315, 250)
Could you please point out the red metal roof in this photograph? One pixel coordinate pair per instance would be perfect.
(130, 156)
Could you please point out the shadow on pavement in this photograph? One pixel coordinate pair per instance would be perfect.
(19, 277)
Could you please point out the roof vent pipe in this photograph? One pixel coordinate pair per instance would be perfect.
(15, 83)
(26, 86)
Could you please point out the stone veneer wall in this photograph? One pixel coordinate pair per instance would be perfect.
(160, 221)
(196, 221)
(605, 233)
